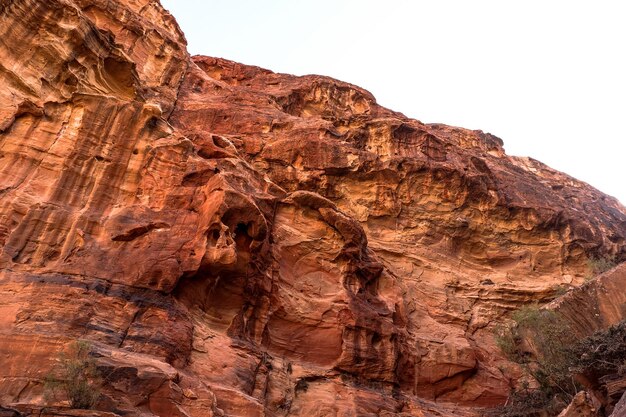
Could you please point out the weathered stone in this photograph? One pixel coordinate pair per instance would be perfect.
(596, 305)
(620, 408)
(232, 241)
(582, 405)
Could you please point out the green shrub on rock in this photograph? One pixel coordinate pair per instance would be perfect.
(540, 341)
(77, 379)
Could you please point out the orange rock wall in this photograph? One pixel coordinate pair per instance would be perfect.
(238, 242)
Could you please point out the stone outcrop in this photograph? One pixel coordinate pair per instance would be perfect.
(236, 242)
(588, 311)
(582, 405)
(597, 305)
(620, 408)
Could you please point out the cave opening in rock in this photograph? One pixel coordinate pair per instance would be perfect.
(242, 238)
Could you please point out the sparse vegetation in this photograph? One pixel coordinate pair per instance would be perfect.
(542, 342)
(526, 402)
(603, 353)
(599, 265)
(77, 380)
(539, 340)
(561, 290)
(536, 335)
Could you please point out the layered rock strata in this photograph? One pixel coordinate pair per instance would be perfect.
(232, 241)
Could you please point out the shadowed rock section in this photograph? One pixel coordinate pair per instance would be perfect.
(237, 242)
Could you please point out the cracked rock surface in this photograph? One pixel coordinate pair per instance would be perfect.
(237, 242)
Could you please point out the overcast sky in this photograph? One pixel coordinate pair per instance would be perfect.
(548, 77)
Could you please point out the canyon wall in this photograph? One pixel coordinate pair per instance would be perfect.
(232, 241)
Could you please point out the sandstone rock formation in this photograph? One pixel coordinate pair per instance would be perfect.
(237, 242)
(591, 309)
(595, 305)
(582, 406)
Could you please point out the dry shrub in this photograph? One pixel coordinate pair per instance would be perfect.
(77, 380)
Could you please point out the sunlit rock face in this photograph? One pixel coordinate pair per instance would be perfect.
(237, 242)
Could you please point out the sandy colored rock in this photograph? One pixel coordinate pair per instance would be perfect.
(582, 405)
(237, 242)
(596, 305)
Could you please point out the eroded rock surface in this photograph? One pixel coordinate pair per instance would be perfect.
(589, 311)
(237, 242)
(582, 405)
(598, 304)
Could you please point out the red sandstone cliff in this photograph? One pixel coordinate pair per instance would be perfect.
(233, 241)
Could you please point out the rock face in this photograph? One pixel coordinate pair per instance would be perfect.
(596, 305)
(237, 242)
(620, 408)
(581, 406)
(593, 307)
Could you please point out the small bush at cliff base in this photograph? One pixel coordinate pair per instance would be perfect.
(77, 380)
(597, 266)
(526, 402)
(603, 353)
(539, 340)
(547, 338)
(558, 360)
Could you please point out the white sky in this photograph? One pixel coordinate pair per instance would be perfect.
(548, 77)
